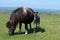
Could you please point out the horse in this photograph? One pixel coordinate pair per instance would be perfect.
(36, 21)
(20, 15)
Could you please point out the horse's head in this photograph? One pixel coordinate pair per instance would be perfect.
(35, 13)
(10, 27)
(8, 24)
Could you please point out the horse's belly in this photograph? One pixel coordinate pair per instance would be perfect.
(27, 21)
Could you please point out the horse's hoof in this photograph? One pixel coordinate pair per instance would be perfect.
(26, 32)
(34, 30)
(11, 34)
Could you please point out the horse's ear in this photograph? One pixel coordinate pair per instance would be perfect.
(8, 24)
(36, 12)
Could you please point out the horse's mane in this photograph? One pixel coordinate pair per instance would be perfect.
(16, 10)
(31, 9)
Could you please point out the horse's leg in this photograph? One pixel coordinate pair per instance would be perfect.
(20, 24)
(26, 28)
(35, 27)
(30, 25)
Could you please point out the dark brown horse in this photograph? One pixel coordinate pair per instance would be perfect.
(20, 15)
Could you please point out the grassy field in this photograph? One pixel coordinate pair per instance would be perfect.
(51, 24)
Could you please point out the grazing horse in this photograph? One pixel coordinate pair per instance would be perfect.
(36, 20)
(20, 15)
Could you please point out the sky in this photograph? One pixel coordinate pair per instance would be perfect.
(40, 4)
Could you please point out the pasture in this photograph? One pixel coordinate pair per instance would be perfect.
(49, 22)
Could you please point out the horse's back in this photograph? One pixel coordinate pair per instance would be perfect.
(24, 15)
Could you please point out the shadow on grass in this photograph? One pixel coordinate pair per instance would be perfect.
(17, 33)
(38, 29)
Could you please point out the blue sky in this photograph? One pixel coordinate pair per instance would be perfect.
(41, 4)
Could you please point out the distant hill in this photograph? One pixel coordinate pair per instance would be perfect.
(42, 11)
(7, 9)
(48, 11)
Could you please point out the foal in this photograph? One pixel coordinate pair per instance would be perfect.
(36, 21)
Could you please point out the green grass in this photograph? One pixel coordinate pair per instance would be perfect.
(51, 24)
